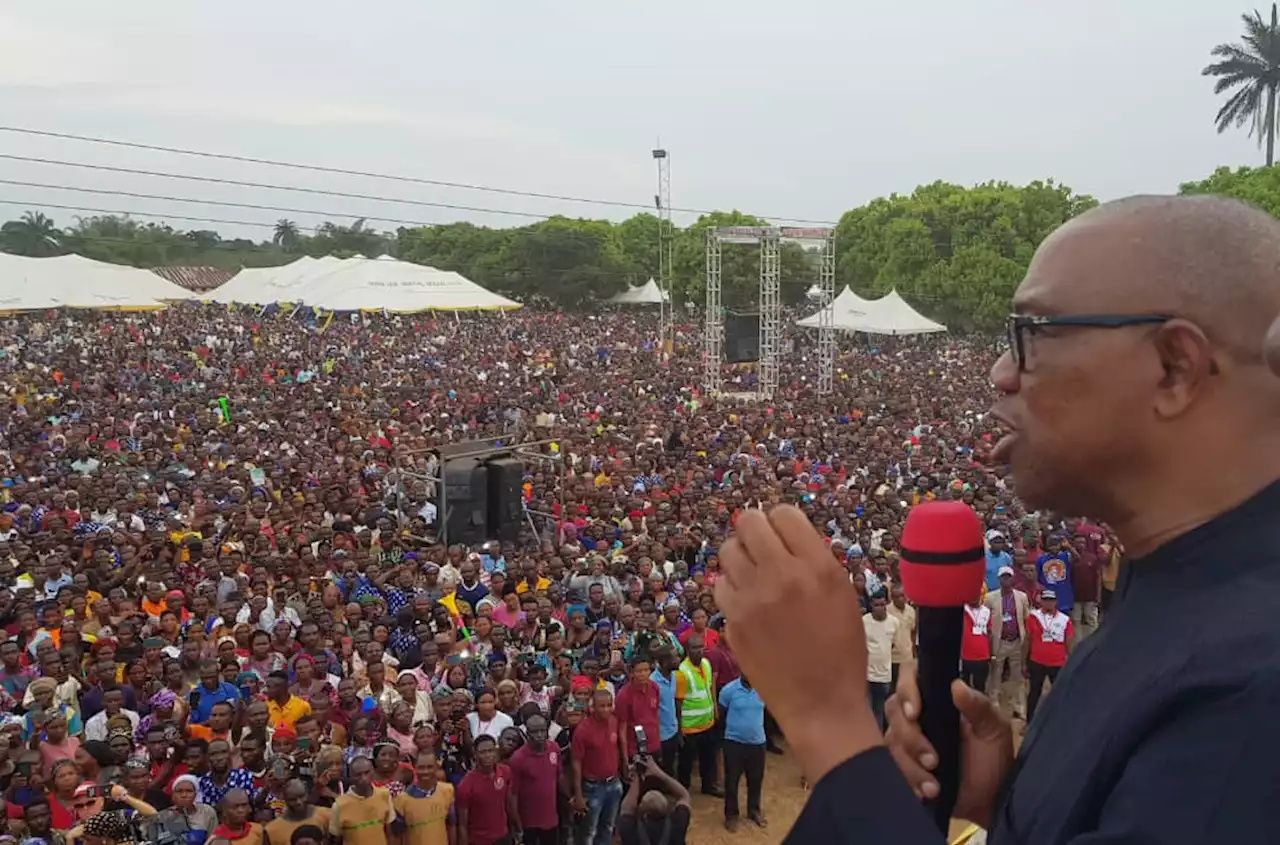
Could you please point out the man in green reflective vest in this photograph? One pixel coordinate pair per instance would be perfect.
(696, 713)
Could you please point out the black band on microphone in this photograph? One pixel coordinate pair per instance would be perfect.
(964, 556)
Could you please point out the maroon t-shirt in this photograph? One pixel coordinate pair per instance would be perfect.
(595, 746)
(1086, 573)
(536, 774)
(638, 707)
(484, 796)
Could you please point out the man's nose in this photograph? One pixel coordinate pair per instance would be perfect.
(1005, 373)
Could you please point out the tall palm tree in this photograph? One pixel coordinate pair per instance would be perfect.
(286, 235)
(34, 235)
(1251, 70)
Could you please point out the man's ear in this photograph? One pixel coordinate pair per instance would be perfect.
(1271, 347)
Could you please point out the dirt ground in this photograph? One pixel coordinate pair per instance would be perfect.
(783, 798)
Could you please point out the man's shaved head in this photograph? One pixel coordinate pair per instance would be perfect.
(1146, 325)
(1213, 260)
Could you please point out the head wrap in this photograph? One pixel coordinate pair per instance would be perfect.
(192, 780)
(107, 826)
(507, 683)
(164, 699)
(497, 657)
(40, 685)
(580, 682)
(576, 608)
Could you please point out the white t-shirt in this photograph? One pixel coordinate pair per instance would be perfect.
(493, 727)
(880, 634)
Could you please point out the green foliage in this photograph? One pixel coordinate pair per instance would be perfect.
(956, 253)
(1257, 185)
(1251, 71)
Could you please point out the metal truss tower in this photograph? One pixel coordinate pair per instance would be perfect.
(666, 241)
(770, 313)
(713, 319)
(826, 333)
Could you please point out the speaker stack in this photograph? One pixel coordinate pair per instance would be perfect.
(483, 495)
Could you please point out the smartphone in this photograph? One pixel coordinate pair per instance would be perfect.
(304, 743)
(195, 699)
(95, 791)
(245, 693)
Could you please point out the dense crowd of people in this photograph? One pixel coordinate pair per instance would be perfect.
(230, 616)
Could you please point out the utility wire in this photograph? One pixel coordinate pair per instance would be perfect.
(222, 203)
(316, 168)
(212, 180)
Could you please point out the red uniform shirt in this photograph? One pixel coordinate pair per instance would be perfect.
(595, 746)
(484, 796)
(976, 644)
(638, 707)
(536, 775)
(1048, 637)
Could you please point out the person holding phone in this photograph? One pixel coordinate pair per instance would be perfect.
(656, 809)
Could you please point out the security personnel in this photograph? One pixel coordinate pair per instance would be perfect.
(696, 707)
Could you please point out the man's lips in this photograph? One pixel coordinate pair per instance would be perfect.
(1004, 446)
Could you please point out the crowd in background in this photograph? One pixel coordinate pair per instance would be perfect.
(230, 617)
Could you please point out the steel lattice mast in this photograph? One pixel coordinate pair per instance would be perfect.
(666, 240)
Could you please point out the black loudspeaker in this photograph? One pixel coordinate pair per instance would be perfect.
(466, 485)
(742, 338)
(506, 510)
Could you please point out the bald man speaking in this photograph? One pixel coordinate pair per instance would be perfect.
(1140, 389)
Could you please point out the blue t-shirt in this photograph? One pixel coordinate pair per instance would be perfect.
(1054, 572)
(744, 713)
(208, 697)
(995, 560)
(667, 726)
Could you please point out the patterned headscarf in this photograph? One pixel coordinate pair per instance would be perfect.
(107, 826)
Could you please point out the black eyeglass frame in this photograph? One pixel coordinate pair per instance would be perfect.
(1018, 324)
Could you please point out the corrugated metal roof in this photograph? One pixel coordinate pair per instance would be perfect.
(198, 279)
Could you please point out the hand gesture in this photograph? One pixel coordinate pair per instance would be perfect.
(784, 596)
(986, 746)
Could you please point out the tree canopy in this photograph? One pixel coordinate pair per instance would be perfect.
(954, 252)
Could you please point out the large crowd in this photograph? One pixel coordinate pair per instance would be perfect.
(230, 617)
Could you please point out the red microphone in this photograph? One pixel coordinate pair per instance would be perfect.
(943, 565)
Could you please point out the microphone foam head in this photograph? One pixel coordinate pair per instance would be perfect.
(943, 556)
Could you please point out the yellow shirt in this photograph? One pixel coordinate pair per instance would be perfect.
(522, 587)
(289, 713)
(280, 830)
(426, 820)
(362, 821)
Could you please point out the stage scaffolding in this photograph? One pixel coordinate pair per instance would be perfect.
(438, 490)
(770, 240)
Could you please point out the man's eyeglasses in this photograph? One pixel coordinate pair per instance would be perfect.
(1019, 325)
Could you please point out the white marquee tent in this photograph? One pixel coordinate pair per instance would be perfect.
(385, 284)
(890, 314)
(267, 285)
(73, 281)
(647, 294)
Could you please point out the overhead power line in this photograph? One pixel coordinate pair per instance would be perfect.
(367, 174)
(221, 203)
(213, 180)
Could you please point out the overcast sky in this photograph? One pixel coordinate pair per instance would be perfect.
(787, 110)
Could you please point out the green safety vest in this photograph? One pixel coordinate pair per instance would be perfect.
(698, 710)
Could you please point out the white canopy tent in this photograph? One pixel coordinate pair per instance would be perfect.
(647, 294)
(73, 281)
(385, 284)
(267, 285)
(890, 314)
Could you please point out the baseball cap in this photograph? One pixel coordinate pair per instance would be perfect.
(1048, 594)
(1005, 570)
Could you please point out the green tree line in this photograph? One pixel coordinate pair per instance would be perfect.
(954, 252)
